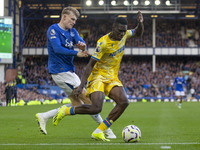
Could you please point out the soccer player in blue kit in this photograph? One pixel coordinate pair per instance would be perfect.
(61, 38)
(179, 90)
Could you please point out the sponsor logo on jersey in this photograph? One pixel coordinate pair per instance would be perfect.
(117, 51)
(68, 44)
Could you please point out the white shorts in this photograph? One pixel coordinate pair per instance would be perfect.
(179, 93)
(67, 81)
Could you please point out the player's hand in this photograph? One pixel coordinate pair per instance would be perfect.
(83, 54)
(140, 17)
(77, 91)
(81, 45)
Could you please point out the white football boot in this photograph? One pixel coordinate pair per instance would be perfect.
(42, 121)
(109, 134)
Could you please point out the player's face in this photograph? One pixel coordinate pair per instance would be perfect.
(180, 74)
(119, 31)
(69, 20)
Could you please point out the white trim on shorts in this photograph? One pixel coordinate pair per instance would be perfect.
(67, 81)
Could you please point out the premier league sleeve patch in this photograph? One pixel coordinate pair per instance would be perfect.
(97, 49)
(52, 32)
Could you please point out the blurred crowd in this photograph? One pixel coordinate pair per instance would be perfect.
(140, 81)
(23, 94)
(35, 70)
(169, 33)
(135, 73)
(177, 33)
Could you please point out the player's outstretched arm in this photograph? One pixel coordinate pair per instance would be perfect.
(139, 29)
(83, 54)
(81, 45)
(85, 76)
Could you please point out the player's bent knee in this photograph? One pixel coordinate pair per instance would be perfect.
(124, 104)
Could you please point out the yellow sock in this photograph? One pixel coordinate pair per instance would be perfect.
(105, 124)
(69, 110)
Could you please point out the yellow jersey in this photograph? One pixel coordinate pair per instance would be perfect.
(109, 54)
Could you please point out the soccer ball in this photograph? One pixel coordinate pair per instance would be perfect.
(131, 133)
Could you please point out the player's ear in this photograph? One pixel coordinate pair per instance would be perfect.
(64, 16)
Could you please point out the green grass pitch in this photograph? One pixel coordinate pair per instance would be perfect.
(5, 42)
(163, 126)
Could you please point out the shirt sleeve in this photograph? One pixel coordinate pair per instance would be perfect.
(54, 39)
(99, 51)
(130, 33)
(77, 37)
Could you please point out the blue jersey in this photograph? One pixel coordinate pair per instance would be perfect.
(60, 45)
(179, 81)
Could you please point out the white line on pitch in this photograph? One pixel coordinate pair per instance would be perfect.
(82, 144)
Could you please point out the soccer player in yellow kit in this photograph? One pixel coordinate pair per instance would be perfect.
(101, 75)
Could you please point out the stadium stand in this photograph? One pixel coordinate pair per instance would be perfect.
(24, 94)
(91, 31)
(186, 33)
(140, 81)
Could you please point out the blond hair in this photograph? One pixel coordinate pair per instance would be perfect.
(67, 11)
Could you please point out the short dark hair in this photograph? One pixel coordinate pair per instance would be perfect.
(121, 20)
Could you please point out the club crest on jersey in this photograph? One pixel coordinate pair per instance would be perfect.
(52, 32)
(68, 44)
(72, 34)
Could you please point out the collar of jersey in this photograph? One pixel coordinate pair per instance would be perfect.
(63, 30)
